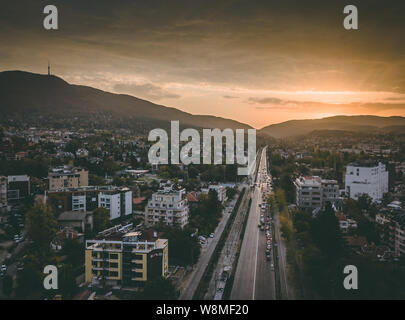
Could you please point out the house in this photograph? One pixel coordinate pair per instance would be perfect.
(78, 220)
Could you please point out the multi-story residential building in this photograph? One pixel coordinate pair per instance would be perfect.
(330, 191)
(18, 187)
(67, 177)
(390, 223)
(221, 191)
(369, 178)
(121, 256)
(118, 200)
(399, 234)
(3, 194)
(313, 192)
(169, 205)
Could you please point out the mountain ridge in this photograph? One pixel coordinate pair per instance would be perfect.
(356, 123)
(22, 92)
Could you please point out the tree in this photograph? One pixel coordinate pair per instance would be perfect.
(231, 192)
(326, 233)
(41, 226)
(159, 289)
(95, 180)
(101, 219)
(7, 285)
(73, 249)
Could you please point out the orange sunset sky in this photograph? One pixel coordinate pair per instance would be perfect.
(258, 62)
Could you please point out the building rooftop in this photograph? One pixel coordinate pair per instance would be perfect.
(92, 188)
(364, 164)
(73, 216)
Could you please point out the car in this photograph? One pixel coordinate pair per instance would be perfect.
(20, 266)
(272, 267)
(3, 268)
(211, 235)
(268, 257)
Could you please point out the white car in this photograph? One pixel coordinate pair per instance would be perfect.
(3, 268)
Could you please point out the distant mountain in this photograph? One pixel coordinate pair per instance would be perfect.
(24, 93)
(345, 123)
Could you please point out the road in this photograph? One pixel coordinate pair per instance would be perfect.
(228, 253)
(199, 268)
(281, 252)
(254, 279)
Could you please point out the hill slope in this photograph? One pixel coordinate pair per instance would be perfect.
(28, 93)
(364, 123)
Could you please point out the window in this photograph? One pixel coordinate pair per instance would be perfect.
(114, 256)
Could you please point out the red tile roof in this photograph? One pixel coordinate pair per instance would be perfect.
(138, 200)
(192, 197)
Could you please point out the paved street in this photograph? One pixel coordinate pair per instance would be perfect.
(254, 278)
(228, 253)
(282, 259)
(199, 268)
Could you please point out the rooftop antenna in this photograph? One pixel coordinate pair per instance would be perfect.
(49, 68)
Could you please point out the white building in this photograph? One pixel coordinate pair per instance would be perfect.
(3, 194)
(366, 178)
(168, 205)
(118, 202)
(313, 192)
(220, 189)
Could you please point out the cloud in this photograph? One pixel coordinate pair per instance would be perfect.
(270, 100)
(146, 90)
(272, 103)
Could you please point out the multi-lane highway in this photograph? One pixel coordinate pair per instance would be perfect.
(254, 277)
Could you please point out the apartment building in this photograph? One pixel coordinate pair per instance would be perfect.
(67, 177)
(169, 205)
(313, 192)
(122, 256)
(369, 178)
(398, 234)
(221, 191)
(18, 187)
(3, 194)
(118, 200)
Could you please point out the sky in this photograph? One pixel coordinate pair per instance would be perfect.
(258, 62)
